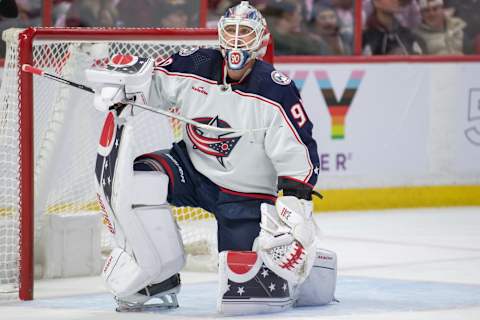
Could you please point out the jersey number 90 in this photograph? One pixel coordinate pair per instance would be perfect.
(298, 114)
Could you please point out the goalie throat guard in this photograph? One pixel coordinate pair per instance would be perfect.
(243, 35)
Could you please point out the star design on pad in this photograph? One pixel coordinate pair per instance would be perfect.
(271, 286)
(265, 273)
(241, 290)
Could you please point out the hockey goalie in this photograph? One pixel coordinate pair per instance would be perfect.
(247, 138)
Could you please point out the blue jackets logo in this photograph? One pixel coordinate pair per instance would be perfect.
(218, 146)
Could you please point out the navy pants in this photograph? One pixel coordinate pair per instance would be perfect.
(237, 214)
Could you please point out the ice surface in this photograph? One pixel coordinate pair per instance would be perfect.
(396, 264)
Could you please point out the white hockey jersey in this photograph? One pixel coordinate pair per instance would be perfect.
(192, 81)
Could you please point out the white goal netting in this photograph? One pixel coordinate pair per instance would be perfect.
(66, 132)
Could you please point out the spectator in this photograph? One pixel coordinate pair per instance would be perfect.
(8, 9)
(307, 7)
(149, 13)
(285, 21)
(385, 35)
(28, 15)
(327, 31)
(408, 15)
(92, 13)
(468, 11)
(344, 11)
(174, 16)
(308, 10)
(139, 13)
(441, 34)
(59, 13)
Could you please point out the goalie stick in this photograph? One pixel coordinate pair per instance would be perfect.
(39, 72)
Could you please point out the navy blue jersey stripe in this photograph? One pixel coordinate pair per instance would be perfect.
(206, 63)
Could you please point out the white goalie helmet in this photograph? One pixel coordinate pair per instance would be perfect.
(243, 35)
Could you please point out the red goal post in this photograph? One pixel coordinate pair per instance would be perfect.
(22, 123)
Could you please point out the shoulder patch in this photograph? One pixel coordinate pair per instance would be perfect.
(164, 62)
(187, 51)
(280, 78)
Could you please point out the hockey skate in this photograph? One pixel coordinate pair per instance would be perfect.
(159, 296)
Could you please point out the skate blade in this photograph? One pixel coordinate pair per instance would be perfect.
(146, 308)
(164, 304)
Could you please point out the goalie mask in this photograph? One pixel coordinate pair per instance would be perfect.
(243, 35)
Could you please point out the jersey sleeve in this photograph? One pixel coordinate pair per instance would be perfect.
(172, 76)
(289, 142)
(165, 86)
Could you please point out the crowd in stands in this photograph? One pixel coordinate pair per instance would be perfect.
(124, 13)
(299, 27)
(399, 27)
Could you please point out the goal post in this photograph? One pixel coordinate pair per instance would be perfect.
(49, 134)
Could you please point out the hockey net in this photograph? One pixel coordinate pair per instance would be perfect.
(49, 134)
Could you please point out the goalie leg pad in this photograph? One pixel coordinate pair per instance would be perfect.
(247, 286)
(150, 249)
(319, 287)
(153, 252)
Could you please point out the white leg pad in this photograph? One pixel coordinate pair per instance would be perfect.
(319, 287)
(122, 274)
(149, 188)
(152, 254)
(150, 247)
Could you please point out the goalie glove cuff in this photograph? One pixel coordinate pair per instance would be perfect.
(296, 189)
(297, 214)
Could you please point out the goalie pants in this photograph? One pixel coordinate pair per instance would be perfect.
(237, 213)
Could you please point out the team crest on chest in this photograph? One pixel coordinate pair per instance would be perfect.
(187, 51)
(212, 143)
(280, 78)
